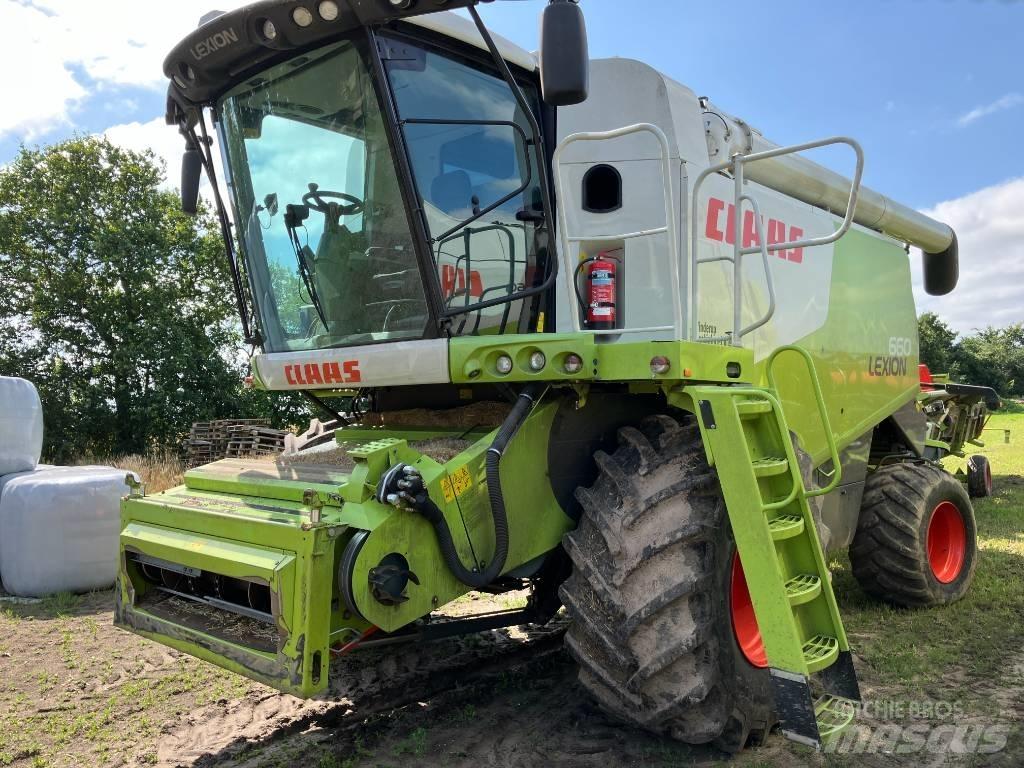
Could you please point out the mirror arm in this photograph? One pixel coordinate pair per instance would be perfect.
(538, 137)
(204, 144)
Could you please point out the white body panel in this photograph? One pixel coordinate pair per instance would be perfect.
(464, 30)
(625, 92)
(390, 364)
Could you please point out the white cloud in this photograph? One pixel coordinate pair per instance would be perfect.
(1008, 101)
(990, 228)
(164, 141)
(167, 144)
(114, 42)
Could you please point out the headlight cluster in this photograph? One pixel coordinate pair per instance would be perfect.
(302, 16)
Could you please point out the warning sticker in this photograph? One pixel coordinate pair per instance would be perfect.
(447, 490)
(461, 481)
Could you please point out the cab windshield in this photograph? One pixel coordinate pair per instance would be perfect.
(323, 227)
(322, 224)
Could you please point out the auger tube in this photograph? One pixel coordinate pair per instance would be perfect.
(802, 179)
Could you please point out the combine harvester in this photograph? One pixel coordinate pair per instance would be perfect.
(668, 363)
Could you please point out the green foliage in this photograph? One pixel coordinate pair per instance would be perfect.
(993, 357)
(937, 343)
(117, 306)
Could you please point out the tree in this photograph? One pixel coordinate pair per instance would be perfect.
(994, 357)
(938, 343)
(115, 303)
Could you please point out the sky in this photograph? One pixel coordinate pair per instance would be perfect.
(933, 89)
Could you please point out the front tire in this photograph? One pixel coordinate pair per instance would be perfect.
(917, 542)
(651, 590)
(979, 477)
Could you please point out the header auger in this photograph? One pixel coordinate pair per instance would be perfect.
(589, 335)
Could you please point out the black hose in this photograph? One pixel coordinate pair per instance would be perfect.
(473, 577)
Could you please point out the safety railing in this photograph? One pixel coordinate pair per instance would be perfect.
(669, 230)
(819, 400)
(736, 165)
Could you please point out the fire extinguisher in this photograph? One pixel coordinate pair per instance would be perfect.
(602, 275)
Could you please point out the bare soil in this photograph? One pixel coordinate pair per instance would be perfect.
(76, 691)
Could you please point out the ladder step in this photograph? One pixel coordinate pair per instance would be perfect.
(749, 409)
(803, 588)
(769, 467)
(786, 527)
(820, 651)
(834, 715)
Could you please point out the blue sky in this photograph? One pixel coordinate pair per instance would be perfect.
(933, 89)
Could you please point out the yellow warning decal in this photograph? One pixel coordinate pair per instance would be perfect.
(461, 481)
(446, 489)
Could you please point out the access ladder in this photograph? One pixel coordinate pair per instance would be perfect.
(748, 440)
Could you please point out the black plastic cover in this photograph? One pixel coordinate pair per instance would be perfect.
(942, 270)
(191, 174)
(564, 54)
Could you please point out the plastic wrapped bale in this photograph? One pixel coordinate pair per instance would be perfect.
(21, 426)
(59, 530)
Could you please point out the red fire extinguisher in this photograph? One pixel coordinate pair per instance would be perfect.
(601, 293)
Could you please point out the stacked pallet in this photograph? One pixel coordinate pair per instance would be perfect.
(214, 440)
(255, 441)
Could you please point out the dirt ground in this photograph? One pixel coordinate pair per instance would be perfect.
(942, 687)
(76, 691)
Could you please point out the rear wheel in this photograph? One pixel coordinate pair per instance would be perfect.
(979, 477)
(663, 628)
(916, 542)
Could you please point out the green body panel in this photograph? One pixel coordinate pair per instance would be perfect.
(473, 360)
(870, 304)
(281, 549)
(286, 527)
(530, 505)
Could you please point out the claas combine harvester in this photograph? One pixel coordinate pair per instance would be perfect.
(584, 332)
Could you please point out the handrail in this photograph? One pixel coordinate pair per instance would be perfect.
(770, 280)
(819, 398)
(736, 165)
(669, 229)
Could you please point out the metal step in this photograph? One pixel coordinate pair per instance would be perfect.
(786, 527)
(820, 651)
(834, 715)
(770, 467)
(749, 409)
(803, 588)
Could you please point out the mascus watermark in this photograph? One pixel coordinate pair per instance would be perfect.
(943, 733)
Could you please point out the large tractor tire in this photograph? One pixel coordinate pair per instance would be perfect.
(656, 591)
(916, 543)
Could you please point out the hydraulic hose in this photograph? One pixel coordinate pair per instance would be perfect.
(422, 503)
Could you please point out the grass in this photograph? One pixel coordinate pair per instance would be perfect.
(159, 471)
(982, 631)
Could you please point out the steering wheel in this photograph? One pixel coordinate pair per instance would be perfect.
(316, 199)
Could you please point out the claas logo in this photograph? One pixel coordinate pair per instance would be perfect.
(775, 231)
(323, 373)
(453, 282)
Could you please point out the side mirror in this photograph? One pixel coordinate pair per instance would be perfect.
(564, 54)
(191, 175)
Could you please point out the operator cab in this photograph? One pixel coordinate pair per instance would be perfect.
(388, 180)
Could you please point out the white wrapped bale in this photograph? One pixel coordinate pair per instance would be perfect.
(21, 426)
(59, 530)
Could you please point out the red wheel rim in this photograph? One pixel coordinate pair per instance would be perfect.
(744, 622)
(988, 478)
(947, 542)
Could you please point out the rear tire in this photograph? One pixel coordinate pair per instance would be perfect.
(916, 543)
(650, 594)
(979, 477)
